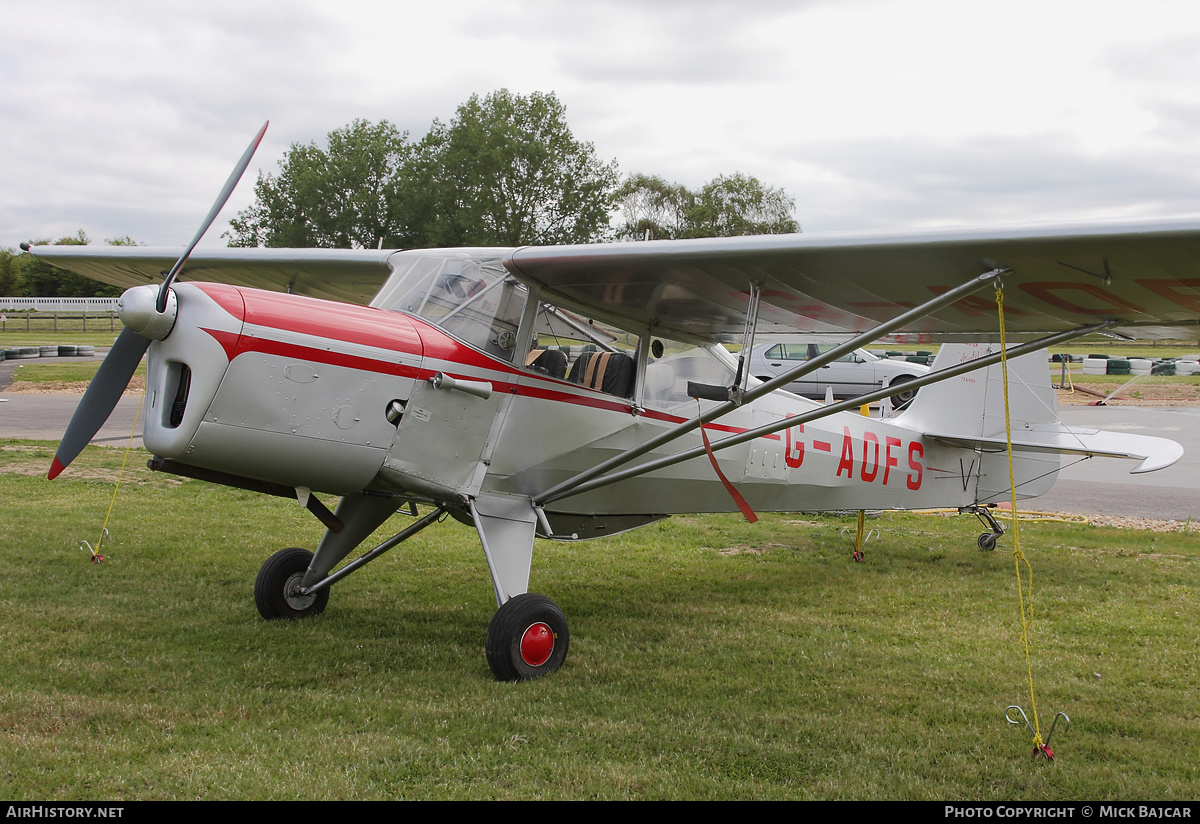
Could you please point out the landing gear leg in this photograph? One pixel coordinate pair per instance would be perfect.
(528, 635)
(293, 582)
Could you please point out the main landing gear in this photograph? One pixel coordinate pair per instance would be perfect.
(528, 635)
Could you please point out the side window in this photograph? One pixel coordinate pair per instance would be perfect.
(820, 349)
(570, 347)
(667, 376)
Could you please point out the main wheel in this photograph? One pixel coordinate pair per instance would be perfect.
(905, 396)
(274, 589)
(527, 638)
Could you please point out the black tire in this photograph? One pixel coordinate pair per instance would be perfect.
(905, 396)
(527, 638)
(987, 541)
(282, 572)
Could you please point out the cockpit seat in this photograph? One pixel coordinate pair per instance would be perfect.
(552, 362)
(611, 372)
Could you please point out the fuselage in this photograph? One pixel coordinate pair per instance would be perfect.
(337, 398)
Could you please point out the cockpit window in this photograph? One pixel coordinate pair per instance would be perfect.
(469, 294)
(584, 351)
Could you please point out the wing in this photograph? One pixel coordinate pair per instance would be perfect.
(1145, 274)
(348, 275)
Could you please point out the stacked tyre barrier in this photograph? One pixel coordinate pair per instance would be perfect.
(57, 351)
(1133, 366)
(1118, 366)
(1095, 365)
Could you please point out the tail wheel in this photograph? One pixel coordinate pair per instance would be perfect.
(527, 638)
(275, 588)
(903, 397)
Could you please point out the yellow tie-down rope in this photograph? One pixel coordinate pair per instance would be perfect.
(96, 556)
(1024, 588)
(860, 538)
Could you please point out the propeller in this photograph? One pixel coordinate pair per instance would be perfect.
(143, 324)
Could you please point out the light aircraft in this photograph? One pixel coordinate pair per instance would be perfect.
(576, 392)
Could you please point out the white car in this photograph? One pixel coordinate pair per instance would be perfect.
(850, 376)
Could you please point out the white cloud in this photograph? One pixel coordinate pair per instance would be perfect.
(125, 117)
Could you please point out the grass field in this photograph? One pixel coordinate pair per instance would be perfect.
(47, 371)
(709, 658)
(41, 331)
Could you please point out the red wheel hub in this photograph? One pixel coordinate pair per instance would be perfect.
(537, 644)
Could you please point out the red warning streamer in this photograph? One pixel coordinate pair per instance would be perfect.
(733, 493)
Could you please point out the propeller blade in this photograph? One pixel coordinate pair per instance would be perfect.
(238, 171)
(100, 398)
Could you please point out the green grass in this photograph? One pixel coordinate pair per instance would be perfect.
(709, 658)
(41, 331)
(48, 370)
(1144, 380)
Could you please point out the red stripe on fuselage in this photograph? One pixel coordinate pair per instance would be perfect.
(228, 341)
(347, 322)
(228, 298)
(247, 343)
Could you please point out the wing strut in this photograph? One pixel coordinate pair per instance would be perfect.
(816, 414)
(736, 391)
(573, 484)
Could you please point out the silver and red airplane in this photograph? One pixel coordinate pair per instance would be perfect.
(576, 392)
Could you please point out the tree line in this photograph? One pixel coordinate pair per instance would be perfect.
(24, 276)
(505, 171)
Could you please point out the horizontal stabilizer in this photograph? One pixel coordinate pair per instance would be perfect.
(1154, 453)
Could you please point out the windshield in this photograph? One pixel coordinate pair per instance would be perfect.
(467, 292)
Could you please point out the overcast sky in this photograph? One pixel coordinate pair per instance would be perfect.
(125, 117)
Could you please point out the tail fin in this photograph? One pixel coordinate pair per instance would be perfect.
(969, 411)
(972, 405)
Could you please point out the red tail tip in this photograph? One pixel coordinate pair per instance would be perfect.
(55, 469)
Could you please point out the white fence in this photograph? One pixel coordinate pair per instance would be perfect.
(92, 305)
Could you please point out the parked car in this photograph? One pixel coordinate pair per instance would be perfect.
(850, 376)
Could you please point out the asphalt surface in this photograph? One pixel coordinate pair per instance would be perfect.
(1103, 486)
(1092, 486)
